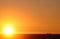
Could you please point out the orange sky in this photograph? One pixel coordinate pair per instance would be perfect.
(31, 16)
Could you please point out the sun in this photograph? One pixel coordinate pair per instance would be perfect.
(8, 30)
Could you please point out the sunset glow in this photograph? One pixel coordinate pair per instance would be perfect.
(29, 16)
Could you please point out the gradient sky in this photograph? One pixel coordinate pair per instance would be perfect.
(31, 16)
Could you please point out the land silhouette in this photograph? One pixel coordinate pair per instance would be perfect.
(33, 36)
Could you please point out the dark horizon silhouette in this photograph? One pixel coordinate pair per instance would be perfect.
(32, 36)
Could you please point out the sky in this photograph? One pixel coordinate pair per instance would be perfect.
(31, 16)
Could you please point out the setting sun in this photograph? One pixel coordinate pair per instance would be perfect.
(8, 31)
